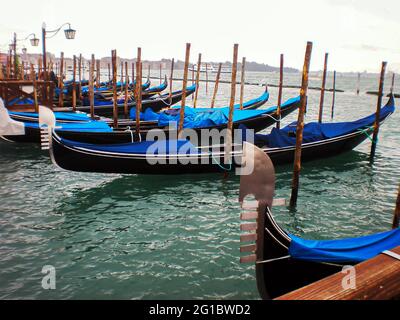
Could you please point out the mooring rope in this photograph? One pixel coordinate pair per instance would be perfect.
(218, 163)
(365, 131)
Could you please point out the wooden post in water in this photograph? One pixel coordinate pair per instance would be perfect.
(80, 69)
(114, 78)
(321, 101)
(392, 85)
(138, 90)
(216, 85)
(122, 77)
(133, 78)
(280, 91)
(61, 82)
(333, 94)
(396, 217)
(300, 127)
(192, 80)
(98, 69)
(126, 111)
(229, 131)
(91, 86)
(197, 81)
(160, 73)
(35, 98)
(74, 84)
(184, 85)
(358, 83)
(170, 81)
(109, 72)
(206, 77)
(378, 111)
(242, 82)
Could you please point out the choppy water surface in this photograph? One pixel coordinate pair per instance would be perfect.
(143, 237)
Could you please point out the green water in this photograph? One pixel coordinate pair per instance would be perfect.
(143, 237)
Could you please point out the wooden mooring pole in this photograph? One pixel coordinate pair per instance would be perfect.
(321, 101)
(80, 69)
(91, 86)
(216, 85)
(242, 82)
(378, 111)
(98, 75)
(396, 216)
(138, 89)
(392, 84)
(35, 97)
(61, 82)
(229, 131)
(358, 83)
(300, 127)
(196, 94)
(114, 77)
(74, 85)
(280, 91)
(206, 78)
(184, 84)
(171, 77)
(126, 111)
(333, 95)
(160, 73)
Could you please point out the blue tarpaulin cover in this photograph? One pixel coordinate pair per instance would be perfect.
(314, 131)
(154, 147)
(90, 126)
(204, 117)
(344, 250)
(71, 116)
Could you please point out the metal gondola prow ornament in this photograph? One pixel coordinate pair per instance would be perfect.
(260, 183)
(47, 122)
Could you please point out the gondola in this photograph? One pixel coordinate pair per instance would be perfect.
(68, 117)
(101, 96)
(156, 103)
(285, 262)
(320, 140)
(133, 158)
(255, 119)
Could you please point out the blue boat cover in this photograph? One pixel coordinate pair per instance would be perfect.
(344, 250)
(263, 97)
(154, 147)
(315, 131)
(91, 126)
(18, 101)
(204, 117)
(69, 116)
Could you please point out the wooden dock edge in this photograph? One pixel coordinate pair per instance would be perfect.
(376, 279)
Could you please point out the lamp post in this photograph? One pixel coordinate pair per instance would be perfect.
(34, 42)
(69, 34)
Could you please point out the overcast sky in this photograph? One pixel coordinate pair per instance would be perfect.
(358, 34)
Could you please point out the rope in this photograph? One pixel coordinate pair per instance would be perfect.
(219, 165)
(272, 260)
(365, 131)
(128, 129)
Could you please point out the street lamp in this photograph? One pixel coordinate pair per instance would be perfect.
(69, 34)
